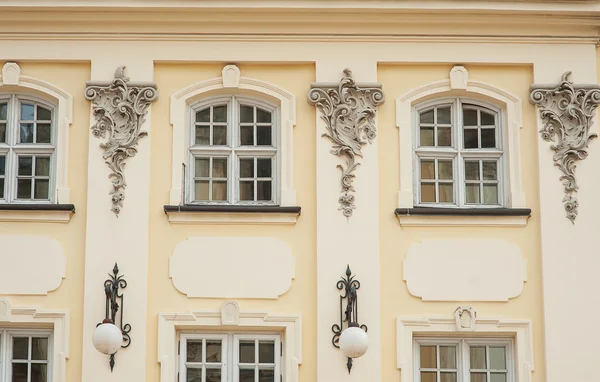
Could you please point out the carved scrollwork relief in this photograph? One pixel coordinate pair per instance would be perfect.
(349, 113)
(567, 112)
(119, 108)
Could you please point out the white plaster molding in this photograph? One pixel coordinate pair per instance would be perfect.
(464, 270)
(459, 77)
(65, 118)
(228, 218)
(180, 103)
(408, 327)
(11, 72)
(5, 309)
(511, 106)
(465, 317)
(230, 313)
(240, 267)
(462, 221)
(231, 76)
(46, 216)
(20, 251)
(169, 323)
(35, 317)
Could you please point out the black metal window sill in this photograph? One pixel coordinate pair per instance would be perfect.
(240, 214)
(443, 217)
(463, 211)
(33, 212)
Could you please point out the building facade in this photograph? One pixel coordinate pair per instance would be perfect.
(225, 181)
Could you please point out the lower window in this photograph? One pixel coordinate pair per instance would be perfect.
(25, 356)
(463, 360)
(229, 358)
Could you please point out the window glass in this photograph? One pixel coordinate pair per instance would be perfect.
(30, 359)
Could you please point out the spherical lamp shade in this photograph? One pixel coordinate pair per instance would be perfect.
(108, 338)
(354, 342)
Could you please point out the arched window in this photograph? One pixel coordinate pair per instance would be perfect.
(28, 136)
(234, 152)
(459, 154)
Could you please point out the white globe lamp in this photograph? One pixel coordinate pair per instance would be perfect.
(354, 341)
(107, 338)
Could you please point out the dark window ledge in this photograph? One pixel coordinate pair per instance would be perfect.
(432, 211)
(37, 207)
(226, 209)
(214, 214)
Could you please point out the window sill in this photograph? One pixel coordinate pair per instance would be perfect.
(462, 217)
(212, 214)
(46, 213)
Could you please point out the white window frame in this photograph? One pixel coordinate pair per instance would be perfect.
(458, 154)
(229, 353)
(6, 350)
(233, 151)
(12, 149)
(463, 345)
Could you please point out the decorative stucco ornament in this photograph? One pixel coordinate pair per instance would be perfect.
(567, 112)
(119, 108)
(349, 112)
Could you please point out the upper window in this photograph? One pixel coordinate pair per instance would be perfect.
(27, 147)
(464, 360)
(459, 154)
(25, 356)
(233, 152)
(229, 358)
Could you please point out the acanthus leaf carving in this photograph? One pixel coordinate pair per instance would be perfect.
(119, 108)
(349, 112)
(567, 112)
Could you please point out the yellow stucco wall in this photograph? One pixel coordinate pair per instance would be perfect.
(395, 240)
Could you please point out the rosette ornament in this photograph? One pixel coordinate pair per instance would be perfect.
(119, 108)
(567, 112)
(349, 112)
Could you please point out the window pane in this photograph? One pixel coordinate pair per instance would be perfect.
(219, 191)
(39, 372)
(202, 135)
(497, 357)
(447, 357)
(203, 115)
(42, 166)
(263, 190)
(478, 357)
(43, 133)
(266, 376)
(488, 138)
(490, 194)
(27, 112)
(427, 169)
(20, 348)
(446, 191)
(2, 132)
(497, 377)
(478, 377)
(1, 188)
(39, 349)
(490, 170)
(247, 351)
(3, 111)
(219, 168)
(470, 136)
(472, 170)
(25, 165)
(246, 135)
(41, 189)
(443, 115)
(246, 114)
(220, 113)
(194, 351)
(428, 377)
(428, 357)
(2, 165)
(427, 193)
(263, 135)
(263, 116)
(19, 372)
(487, 118)
(266, 352)
(263, 167)
(427, 117)
(469, 117)
(194, 375)
(202, 190)
(247, 168)
(247, 375)
(43, 114)
(444, 169)
(220, 135)
(448, 377)
(426, 138)
(202, 166)
(444, 136)
(213, 351)
(213, 375)
(472, 193)
(247, 190)
(24, 189)
(26, 133)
